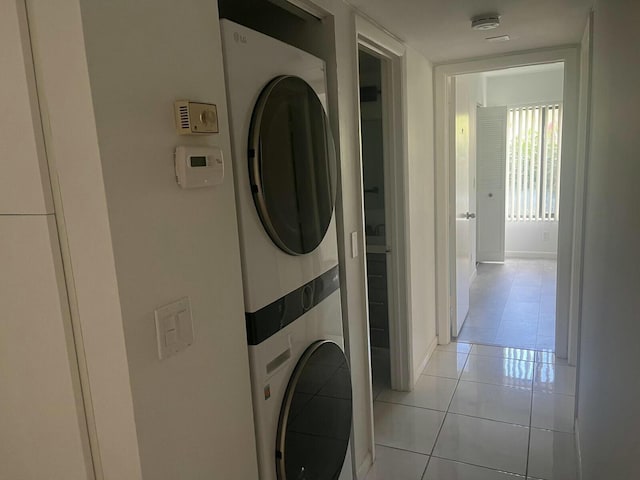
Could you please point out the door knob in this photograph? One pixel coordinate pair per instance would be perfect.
(469, 216)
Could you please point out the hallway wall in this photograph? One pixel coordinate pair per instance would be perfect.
(192, 411)
(109, 74)
(522, 88)
(608, 387)
(421, 204)
(537, 239)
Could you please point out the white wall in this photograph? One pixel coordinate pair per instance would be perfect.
(608, 390)
(42, 421)
(531, 239)
(523, 88)
(421, 207)
(44, 433)
(24, 183)
(528, 239)
(193, 411)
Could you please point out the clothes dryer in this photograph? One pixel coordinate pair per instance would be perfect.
(284, 164)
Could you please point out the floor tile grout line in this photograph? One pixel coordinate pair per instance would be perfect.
(448, 411)
(483, 383)
(453, 460)
(411, 406)
(519, 475)
(456, 413)
(526, 473)
(435, 441)
(402, 449)
(439, 411)
(503, 422)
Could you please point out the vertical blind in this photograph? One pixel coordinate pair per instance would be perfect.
(534, 143)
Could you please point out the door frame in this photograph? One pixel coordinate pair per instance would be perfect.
(374, 40)
(453, 149)
(445, 175)
(392, 52)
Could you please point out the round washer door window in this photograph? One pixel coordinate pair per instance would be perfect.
(315, 420)
(292, 164)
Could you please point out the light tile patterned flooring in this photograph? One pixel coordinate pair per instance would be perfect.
(477, 413)
(513, 304)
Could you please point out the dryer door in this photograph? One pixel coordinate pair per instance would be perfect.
(292, 164)
(315, 420)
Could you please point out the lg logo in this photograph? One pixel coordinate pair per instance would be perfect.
(239, 38)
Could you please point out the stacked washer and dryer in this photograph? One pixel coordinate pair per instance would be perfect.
(285, 181)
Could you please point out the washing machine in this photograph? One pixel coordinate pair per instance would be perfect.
(284, 164)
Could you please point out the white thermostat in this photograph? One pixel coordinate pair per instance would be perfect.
(198, 167)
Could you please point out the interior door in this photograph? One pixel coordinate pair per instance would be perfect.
(492, 169)
(462, 214)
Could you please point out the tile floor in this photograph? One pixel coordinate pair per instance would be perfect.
(477, 413)
(513, 304)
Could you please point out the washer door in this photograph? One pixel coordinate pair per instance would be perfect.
(315, 420)
(292, 165)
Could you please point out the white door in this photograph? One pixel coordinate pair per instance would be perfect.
(462, 214)
(491, 167)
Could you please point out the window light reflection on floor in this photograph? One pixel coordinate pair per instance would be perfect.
(514, 368)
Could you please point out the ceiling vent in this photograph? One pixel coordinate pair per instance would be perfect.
(485, 22)
(501, 38)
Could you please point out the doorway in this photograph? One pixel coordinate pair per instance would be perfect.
(383, 164)
(374, 179)
(507, 153)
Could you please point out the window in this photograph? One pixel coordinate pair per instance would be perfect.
(534, 142)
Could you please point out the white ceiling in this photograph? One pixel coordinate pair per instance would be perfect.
(441, 29)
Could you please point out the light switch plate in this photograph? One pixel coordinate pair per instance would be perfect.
(174, 328)
(354, 244)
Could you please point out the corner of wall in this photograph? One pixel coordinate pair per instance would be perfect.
(419, 367)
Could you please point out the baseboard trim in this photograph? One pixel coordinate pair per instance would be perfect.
(576, 427)
(534, 255)
(364, 467)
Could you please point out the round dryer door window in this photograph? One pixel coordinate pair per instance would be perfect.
(315, 420)
(292, 165)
